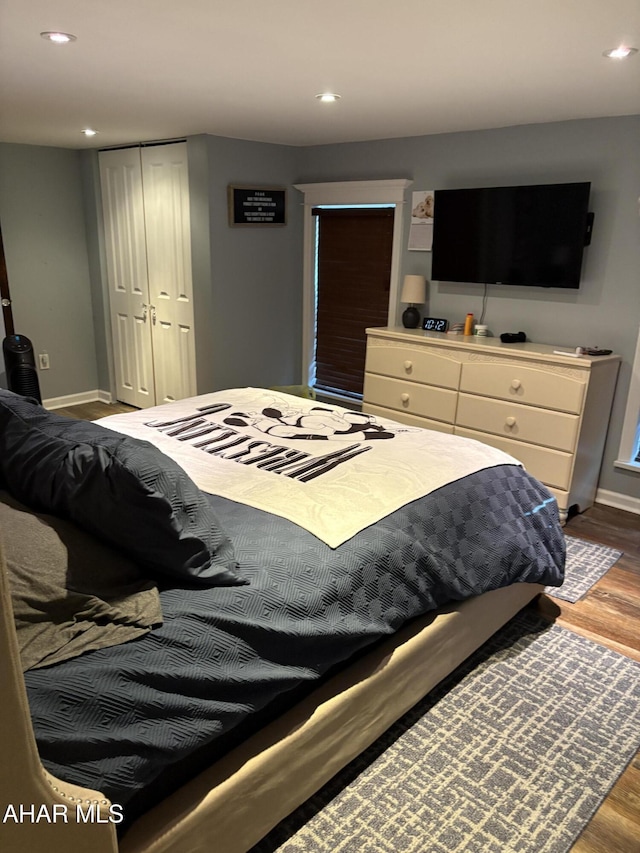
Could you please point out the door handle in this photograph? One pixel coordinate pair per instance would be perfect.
(145, 311)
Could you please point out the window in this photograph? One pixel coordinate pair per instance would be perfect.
(629, 453)
(346, 194)
(353, 274)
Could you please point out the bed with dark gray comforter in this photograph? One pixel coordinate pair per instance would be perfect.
(252, 612)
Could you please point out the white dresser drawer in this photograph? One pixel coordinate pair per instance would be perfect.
(521, 384)
(562, 497)
(522, 423)
(404, 418)
(414, 364)
(425, 400)
(551, 467)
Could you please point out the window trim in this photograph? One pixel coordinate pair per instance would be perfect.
(630, 438)
(348, 193)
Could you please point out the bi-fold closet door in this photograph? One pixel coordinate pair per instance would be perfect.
(145, 201)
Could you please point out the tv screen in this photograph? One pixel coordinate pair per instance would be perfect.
(525, 235)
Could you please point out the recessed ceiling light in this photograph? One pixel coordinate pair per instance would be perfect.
(620, 52)
(89, 131)
(328, 97)
(58, 38)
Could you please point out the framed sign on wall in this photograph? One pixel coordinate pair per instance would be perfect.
(257, 205)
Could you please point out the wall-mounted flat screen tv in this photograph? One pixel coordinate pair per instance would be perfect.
(523, 235)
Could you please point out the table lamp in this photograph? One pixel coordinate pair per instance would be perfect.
(414, 290)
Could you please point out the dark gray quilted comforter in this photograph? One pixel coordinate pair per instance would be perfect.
(121, 719)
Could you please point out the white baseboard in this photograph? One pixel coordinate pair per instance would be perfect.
(77, 399)
(618, 501)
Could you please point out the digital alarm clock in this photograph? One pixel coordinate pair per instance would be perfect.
(435, 324)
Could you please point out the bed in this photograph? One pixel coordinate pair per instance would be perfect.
(249, 589)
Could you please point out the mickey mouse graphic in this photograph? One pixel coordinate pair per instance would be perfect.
(318, 423)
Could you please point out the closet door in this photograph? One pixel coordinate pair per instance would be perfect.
(148, 244)
(165, 182)
(125, 248)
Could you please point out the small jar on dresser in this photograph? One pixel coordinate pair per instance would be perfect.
(548, 410)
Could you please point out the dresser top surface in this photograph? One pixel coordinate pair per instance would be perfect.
(556, 353)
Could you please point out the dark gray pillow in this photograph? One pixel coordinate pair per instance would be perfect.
(119, 488)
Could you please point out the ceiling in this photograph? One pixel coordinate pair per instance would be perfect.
(143, 70)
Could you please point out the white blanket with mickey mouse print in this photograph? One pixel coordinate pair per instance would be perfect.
(331, 470)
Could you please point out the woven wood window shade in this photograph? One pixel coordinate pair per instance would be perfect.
(354, 270)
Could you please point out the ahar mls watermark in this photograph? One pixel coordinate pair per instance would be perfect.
(87, 812)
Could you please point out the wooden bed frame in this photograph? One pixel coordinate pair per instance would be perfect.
(235, 802)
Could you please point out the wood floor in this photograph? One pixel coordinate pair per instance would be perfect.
(609, 614)
(93, 411)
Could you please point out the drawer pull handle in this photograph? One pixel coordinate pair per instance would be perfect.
(408, 365)
(404, 398)
(511, 421)
(515, 384)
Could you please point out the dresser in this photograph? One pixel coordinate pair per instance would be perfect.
(549, 411)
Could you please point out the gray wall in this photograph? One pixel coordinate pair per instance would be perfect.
(605, 311)
(90, 177)
(43, 227)
(256, 272)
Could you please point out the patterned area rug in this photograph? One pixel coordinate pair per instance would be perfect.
(512, 753)
(586, 564)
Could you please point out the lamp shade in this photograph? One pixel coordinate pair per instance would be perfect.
(414, 289)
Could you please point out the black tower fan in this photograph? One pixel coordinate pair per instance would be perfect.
(20, 365)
